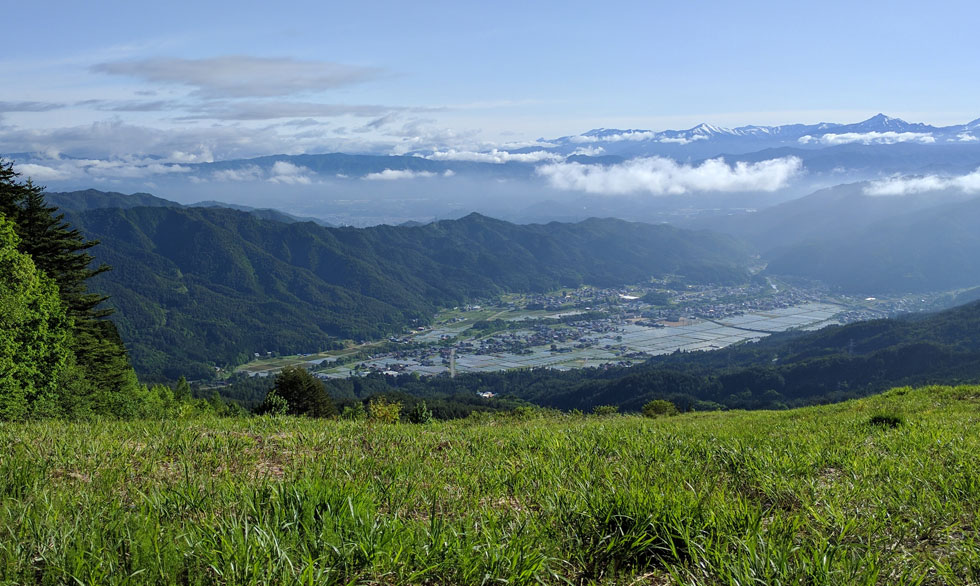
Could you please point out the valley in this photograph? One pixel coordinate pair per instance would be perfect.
(597, 327)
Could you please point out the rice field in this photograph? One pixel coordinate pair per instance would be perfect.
(885, 490)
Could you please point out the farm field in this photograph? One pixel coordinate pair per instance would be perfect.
(885, 490)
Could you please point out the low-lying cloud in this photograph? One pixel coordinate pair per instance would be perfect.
(662, 176)
(630, 135)
(58, 169)
(494, 156)
(969, 183)
(396, 174)
(289, 174)
(889, 137)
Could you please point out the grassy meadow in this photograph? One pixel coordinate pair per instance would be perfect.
(885, 490)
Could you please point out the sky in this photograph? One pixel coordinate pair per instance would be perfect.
(203, 81)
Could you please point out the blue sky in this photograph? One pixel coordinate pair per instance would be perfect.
(206, 80)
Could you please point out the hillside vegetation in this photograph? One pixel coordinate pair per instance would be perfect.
(882, 490)
(198, 286)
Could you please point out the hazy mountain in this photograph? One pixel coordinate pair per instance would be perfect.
(262, 213)
(827, 215)
(200, 285)
(924, 250)
(89, 199)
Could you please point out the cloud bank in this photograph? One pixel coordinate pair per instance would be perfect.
(969, 183)
(494, 156)
(889, 137)
(395, 174)
(661, 176)
(289, 174)
(631, 135)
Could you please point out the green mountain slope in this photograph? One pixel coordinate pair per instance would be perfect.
(199, 285)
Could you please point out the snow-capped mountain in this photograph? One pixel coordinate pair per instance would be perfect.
(706, 140)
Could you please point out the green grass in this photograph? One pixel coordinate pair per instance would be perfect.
(823, 495)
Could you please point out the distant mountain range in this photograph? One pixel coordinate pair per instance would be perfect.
(706, 140)
(878, 146)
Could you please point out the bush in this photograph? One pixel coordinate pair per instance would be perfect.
(274, 405)
(659, 408)
(382, 411)
(885, 420)
(605, 410)
(420, 413)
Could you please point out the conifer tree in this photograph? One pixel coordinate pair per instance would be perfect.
(60, 252)
(35, 335)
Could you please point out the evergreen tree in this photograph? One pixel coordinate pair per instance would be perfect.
(302, 392)
(59, 251)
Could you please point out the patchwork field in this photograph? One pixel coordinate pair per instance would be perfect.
(885, 490)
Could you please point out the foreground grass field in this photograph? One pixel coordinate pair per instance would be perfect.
(880, 491)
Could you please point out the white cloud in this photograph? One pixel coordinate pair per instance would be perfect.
(58, 169)
(203, 155)
(290, 174)
(493, 156)
(889, 137)
(630, 135)
(246, 173)
(394, 174)
(41, 172)
(969, 183)
(662, 176)
(588, 151)
(240, 76)
(683, 140)
(966, 137)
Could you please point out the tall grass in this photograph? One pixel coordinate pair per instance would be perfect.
(813, 496)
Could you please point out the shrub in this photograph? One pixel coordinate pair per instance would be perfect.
(659, 408)
(420, 413)
(274, 404)
(380, 410)
(888, 420)
(605, 410)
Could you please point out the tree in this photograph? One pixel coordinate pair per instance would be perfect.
(302, 393)
(35, 335)
(103, 376)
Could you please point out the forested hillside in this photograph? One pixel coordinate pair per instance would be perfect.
(197, 286)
